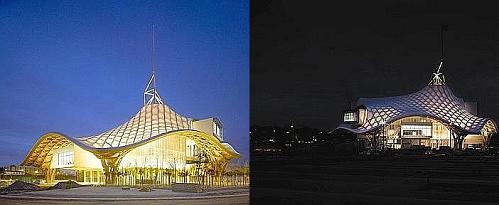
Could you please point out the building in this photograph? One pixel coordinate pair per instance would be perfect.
(24, 173)
(156, 146)
(431, 117)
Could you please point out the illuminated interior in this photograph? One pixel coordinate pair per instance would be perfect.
(432, 117)
(156, 146)
(416, 130)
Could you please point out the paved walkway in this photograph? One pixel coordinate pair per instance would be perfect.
(117, 194)
(219, 201)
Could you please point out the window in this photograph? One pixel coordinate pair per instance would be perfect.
(349, 117)
(95, 177)
(65, 159)
(416, 130)
(191, 150)
(362, 115)
(413, 132)
(217, 130)
(88, 176)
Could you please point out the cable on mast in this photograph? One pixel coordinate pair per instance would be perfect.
(438, 77)
(151, 95)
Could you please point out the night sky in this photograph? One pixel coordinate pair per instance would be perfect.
(80, 67)
(310, 61)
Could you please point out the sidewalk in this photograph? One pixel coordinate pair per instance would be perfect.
(117, 194)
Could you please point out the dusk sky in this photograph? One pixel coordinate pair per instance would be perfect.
(80, 68)
(310, 61)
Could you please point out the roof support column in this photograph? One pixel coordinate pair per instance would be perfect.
(486, 140)
(371, 140)
(50, 175)
(219, 166)
(458, 140)
(110, 162)
(110, 166)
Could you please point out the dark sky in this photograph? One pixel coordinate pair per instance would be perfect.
(80, 67)
(310, 60)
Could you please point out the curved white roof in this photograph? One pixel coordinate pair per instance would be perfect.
(150, 121)
(433, 101)
(154, 120)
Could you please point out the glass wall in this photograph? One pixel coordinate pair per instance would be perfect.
(416, 130)
(167, 152)
(63, 157)
(167, 160)
(349, 117)
(161, 162)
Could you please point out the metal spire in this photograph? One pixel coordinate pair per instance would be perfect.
(438, 77)
(153, 56)
(151, 95)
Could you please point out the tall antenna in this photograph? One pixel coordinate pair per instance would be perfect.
(151, 95)
(153, 47)
(154, 55)
(438, 77)
(442, 29)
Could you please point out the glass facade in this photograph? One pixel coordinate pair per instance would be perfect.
(217, 130)
(166, 160)
(349, 117)
(167, 152)
(163, 161)
(416, 130)
(65, 159)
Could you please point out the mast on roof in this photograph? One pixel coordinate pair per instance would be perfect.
(438, 77)
(151, 95)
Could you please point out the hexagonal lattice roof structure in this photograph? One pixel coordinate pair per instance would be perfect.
(153, 121)
(433, 101)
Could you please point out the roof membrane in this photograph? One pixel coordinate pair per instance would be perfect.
(433, 101)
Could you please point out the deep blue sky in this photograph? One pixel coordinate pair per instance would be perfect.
(80, 68)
